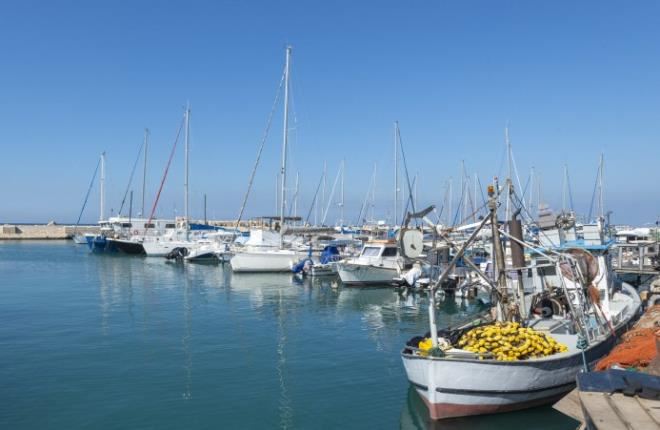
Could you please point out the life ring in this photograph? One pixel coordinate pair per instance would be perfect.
(135, 232)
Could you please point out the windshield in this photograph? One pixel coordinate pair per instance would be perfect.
(371, 251)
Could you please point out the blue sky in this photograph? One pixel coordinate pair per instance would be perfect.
(572, 79)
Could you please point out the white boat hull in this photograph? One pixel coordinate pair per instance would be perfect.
(328, 269)
(456, 387)
(265, 261)
(162, 248)
(363, 274)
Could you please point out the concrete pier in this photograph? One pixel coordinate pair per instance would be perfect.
(42, 231)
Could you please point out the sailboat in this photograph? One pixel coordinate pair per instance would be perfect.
(566, 296)
(159, 246)
(260, 255)
(99, 242)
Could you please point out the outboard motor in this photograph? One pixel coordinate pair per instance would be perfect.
(177, 253)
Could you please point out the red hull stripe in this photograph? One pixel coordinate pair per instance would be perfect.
(440, 411)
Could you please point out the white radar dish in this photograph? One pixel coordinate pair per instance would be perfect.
(412, 243)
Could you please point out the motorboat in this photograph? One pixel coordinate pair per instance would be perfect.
(378, 263)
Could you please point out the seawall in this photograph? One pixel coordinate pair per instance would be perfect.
(40, 232)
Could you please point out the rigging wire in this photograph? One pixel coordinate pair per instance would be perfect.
(91, 184)
(261, 148)
(314, 202)
(130, 178)
(162, 182)
(405, 167)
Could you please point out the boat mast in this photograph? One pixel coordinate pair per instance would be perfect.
(373, 195)
(500, 272)
(295, 200)
(509, 180)
(144, 171)
(396, 173)
(563, 189)
(325, 180)
(341, 204)
(102, 184)
(474, 215)
(600, 188)
(532, 211)
(449, 205)
(285, 138)
(186, 172)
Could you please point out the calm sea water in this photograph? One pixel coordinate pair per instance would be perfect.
(104, 342)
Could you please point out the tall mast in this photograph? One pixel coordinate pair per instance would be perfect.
(295, 200)
(102, 184)
(285, 138)
(564, 188)
(325, 180)
(509, 180)
(144, 171)
(415, 189)
(396, 173)
(185, 185)
(474, 209)
(373, 194)
(600, 187)
(532, 209)
(449, 206)
(464, 193)
(341, 205)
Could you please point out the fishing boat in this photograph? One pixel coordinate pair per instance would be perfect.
(378, 263)
(566, 296)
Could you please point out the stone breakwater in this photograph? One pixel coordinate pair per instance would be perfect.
(42, 231)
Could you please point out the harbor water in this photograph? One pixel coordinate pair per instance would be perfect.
(115, 342)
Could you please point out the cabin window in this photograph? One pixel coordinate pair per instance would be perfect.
(170, 225)
(547, 271)
(126, 225)
(371, 251)
(389, 252)
(651, 249)
(149, 225)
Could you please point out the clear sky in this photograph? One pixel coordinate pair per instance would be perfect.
(572, 79)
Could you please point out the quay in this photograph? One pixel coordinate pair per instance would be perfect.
(624, 390)
(55, 231)
(42, 231)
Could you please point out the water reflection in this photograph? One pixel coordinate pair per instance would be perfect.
(175, 297)
(415, 416)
